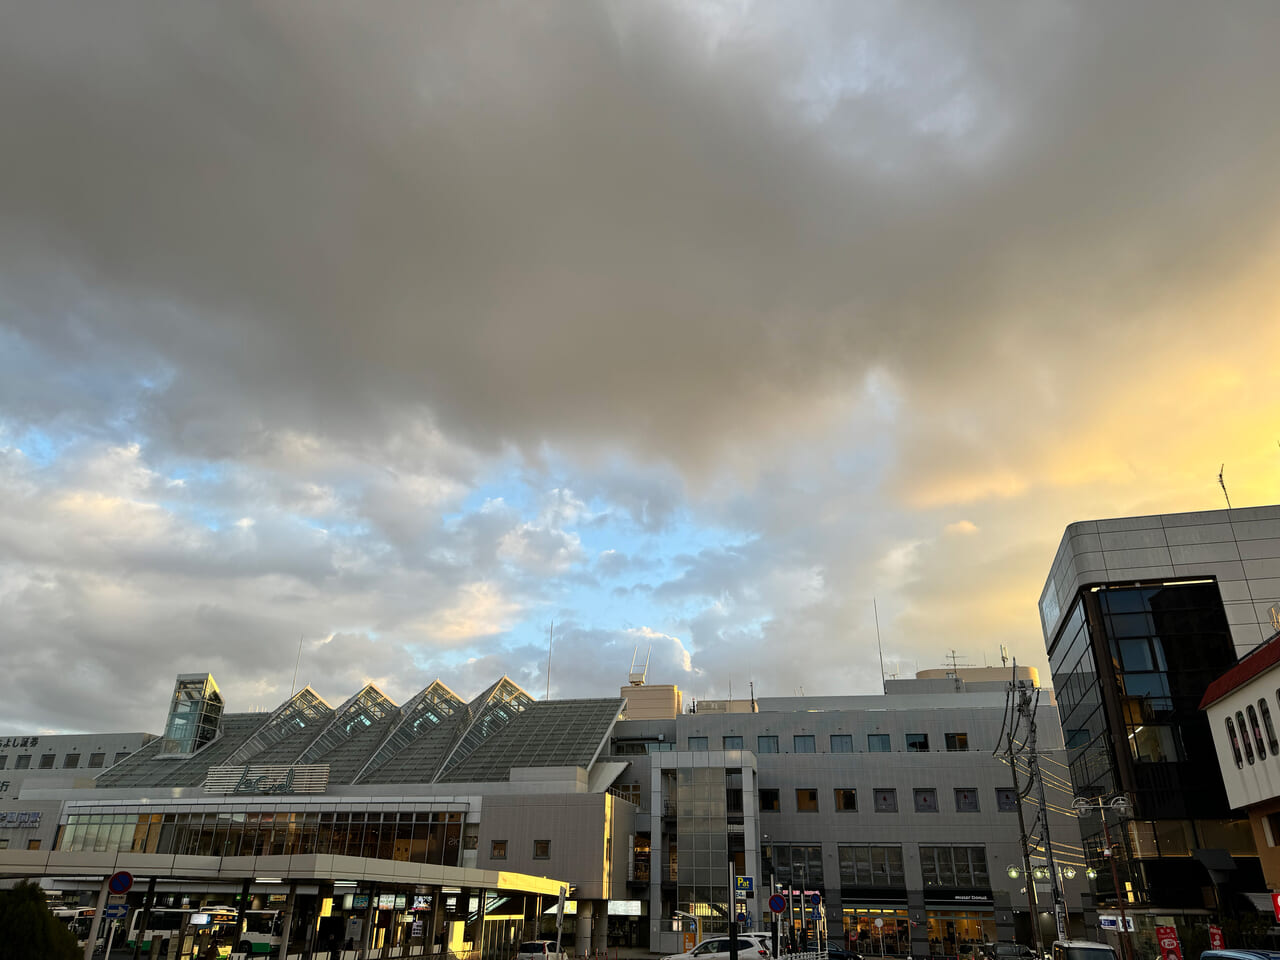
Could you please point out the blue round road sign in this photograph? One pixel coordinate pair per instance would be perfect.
(777, 903)
(815, 898)
(120, 882)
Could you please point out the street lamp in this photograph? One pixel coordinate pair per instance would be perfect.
(1120, 806)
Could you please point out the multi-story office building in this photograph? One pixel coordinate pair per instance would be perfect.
(1139, 616)
(1243, 706)
(891, 808)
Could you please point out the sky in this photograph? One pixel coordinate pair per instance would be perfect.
(376, 342)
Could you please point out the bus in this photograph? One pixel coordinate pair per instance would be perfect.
(162, 923)
(79, 920)
(261, 935)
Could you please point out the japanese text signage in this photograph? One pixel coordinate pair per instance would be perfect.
(1167, 940)
(1216, 940)
(19, 819)
(19, 742)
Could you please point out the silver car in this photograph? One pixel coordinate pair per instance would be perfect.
(538, 950)
(717, 948)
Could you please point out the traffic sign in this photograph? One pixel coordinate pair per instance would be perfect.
(815, 898)
(120, 882)
(115, 911)
(744, 884)
(777, 903)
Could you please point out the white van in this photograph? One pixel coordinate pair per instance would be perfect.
(1083, 950)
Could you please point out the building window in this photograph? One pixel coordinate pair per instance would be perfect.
(804, 743)
(957, 742)
(766, 744)
(846, 800)
(23, 762)
(886, 799)
(498, 851)
(1271, 731)
(917, 743)
(46, 760)
(119, 756)
(4, 760)
(1006, 799)
(1272, 832)
(33, 844)
(1257, 732)
(542, 849)
(877, 743)
(926, 799)
(963, 868)
(4, 843)
(769, 800)
(71, 761)
(1235, 744)
(806, 800)
(793, 865)
(96, 759)
(842, 743)
(865, 865)
(966, 800)
(733, 743)
(697, 743)
(470, 842)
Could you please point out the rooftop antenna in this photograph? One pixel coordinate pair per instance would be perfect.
(1004, 655)
(751, 684)
(551, 636)
(293, 687)
(876, 612)
(637, 677)
(1223, 484)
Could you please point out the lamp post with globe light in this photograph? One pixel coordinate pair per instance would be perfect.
(1120, 806)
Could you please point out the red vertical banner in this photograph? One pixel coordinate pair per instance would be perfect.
(1170, 948)
(1216, 942)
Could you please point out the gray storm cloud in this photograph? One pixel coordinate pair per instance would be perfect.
(333, 264)
(600, 225)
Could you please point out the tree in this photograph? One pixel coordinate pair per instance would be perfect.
(29, 931)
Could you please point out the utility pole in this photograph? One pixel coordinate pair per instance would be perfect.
(1028, 708)
(1026, 853)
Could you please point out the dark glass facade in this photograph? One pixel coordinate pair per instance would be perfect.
(427, 837)
(1130, 664)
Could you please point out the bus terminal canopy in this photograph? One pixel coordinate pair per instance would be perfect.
(311, 868)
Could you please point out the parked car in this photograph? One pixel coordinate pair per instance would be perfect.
(1082, 950)
(717, 948)
(763, 938)
(1008, 950)
(838, 951)
(538, 950)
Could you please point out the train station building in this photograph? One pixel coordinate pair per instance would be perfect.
(450, 823)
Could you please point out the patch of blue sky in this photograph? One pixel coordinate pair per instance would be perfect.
(40, 446)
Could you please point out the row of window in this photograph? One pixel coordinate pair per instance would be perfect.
(541, 850)
(70, 761)
(840, 743)
(1255, 729)
(885, 800)
(416, 837)
(881, 865)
